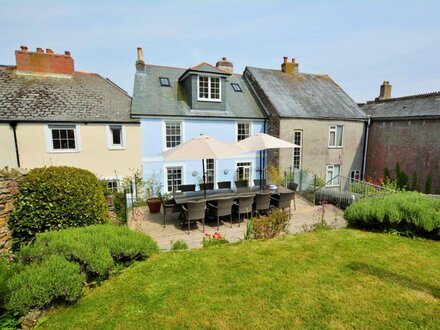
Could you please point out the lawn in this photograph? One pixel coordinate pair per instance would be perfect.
(329, 279)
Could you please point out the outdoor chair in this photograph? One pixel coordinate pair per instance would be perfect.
(293, 186)
(283, 201)
(241, 184)
(224, 185)
(262, 202)
(169, 206)
(244, 205)
(208, 186)
(220, 208)
(187, 187)
(258, 181)
(192, 212)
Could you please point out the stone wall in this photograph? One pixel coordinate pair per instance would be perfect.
(9, 186)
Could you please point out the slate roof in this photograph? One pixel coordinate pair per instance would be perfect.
(151, 99)
(302, 95)
(204, 68)
(423, 106)
(85, 97)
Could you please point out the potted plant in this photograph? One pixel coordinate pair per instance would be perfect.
(153, 187)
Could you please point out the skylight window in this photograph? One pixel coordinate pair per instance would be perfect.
(164, 81)
(236, 87)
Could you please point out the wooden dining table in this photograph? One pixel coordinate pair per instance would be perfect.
(212, 195)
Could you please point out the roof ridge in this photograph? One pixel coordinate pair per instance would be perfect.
(408, 97)
(165, 66)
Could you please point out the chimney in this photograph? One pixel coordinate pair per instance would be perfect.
(140, 64)
(40, 62)
(289, 67)
(225, 65)
(385, 91)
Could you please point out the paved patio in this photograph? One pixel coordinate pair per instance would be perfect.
(302, 219)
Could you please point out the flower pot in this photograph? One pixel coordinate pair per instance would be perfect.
(154, 205)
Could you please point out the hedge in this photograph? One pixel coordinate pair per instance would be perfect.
(404, 211)
(53, 198)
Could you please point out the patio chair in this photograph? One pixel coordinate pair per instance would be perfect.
(168, 206)
(258, 181)
(192, 212)
(283, 201)
(293, 186)
(224, 185)
(208, 186)
(262, 202)
(220, 208)
(244, 206)
(241, 184)
(187, 187)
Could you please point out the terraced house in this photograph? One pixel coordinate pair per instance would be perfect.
(312, 111)
(51, 114)
(176, 104)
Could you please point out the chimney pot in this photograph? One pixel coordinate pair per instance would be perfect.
(67, 53)
(285, 59)
(385, 91)
(49, 51)
(293, 60)
(140, 54)
(223, 58)
(40, 50)
(23, 48)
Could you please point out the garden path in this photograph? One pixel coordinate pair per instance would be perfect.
(302, 219)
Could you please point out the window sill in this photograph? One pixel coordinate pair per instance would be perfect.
(116, 148)
(63, 151)
(209, 100)
(335, 147)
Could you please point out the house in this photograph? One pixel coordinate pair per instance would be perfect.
(405, 130)
(176, 104)
(312, 111)
(51, 114)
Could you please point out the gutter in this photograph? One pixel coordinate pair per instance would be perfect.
(13, 124)
(364, 158)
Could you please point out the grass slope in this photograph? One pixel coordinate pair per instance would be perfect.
(330, 279)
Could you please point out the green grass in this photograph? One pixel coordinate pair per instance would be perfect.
(327, 279)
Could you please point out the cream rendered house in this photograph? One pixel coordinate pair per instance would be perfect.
(53, 115)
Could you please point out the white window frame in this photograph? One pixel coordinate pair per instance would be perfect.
(333, 183)
(215, 171)
(164, 132)
(49, 142)
(334, 129)
(110, 144)
(165, 177)
(209, 99)
(354, 173)
(300, 147)
(250, 182)
(236, 128)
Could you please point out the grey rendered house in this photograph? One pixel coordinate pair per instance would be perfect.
(312, 111)
(176, 104)
(405, 130)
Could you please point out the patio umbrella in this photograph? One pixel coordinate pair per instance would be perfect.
(202, 147)
(263, 141)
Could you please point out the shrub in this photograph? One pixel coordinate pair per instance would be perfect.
(179, 245)
(40, 284)
(403, 211)
(428, 184)
(96, 248)
(53, 198)
(270, 225)
(3, 280)
(401, 177)
(120, 208)
(213, 240)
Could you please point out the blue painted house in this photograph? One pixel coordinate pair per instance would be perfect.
(176, 104)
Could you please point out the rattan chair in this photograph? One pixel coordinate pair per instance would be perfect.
(209, 186)
(224, 185)
(168, 206)
(258, 181)
(244, 206)
(187, 187)
(293, 186)
(220, 208)
(241, 184)
(192, 212)
(283, 201)
(262, 202)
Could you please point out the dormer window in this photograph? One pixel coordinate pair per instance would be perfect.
(164, 81)
(209, 88)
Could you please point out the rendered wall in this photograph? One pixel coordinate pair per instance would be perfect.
(414, 144)
(316, 154)
(7, 146)
(93, 155)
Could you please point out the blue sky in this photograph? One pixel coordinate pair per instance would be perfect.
(358, 43)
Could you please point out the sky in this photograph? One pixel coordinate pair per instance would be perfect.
(358, 43)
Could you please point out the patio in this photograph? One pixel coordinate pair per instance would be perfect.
(302, 219)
